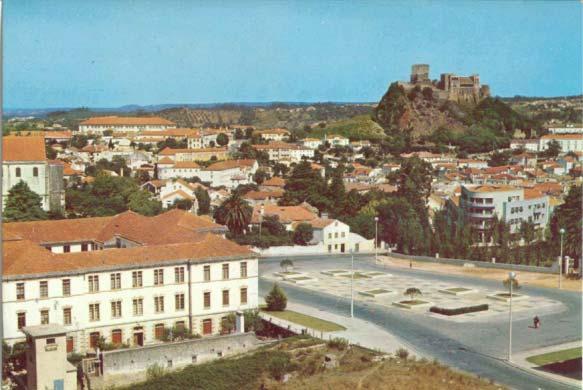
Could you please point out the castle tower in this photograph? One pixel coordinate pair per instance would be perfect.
(420, 73)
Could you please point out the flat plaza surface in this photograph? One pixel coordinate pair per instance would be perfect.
(384, 288)
(476, 344)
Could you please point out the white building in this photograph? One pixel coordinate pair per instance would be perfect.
(24, 159)
(312, 143)
(530, 145)
(568, 142)
(97, 125)
(337, 140)
(567, 129)
(337, 238)
(229, 173)
(282, 151)
(125, 278)
(273, 134)
(513, 205)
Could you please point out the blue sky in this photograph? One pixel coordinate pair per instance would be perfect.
(108, 53)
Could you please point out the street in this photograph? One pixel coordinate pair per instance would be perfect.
(479, 348)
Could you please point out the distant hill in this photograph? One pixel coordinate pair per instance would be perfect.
(360, 127)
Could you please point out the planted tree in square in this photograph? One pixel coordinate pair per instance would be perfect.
(276, 299)
(413, 292)
(286, 264)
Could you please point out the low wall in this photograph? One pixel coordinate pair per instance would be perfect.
(480, 264)
(176, 354)
(299, 250)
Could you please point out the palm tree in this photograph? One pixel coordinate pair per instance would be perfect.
(235, 212)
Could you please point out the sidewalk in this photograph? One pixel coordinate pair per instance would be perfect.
(519, 360)
(357, 331)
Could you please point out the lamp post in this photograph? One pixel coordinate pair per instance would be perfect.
(562, 231)
(352, 284)
(376, 239)
(511, 277)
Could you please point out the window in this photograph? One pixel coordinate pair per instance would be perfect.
(244, 269)
(343, 234)
(159, 332)
(116, 336)
(18, 172)
(243, 295)
(67, 316)
(138, 306)
(137, 279)
(84, 247)
(159, 304)
(66, 248)
(336, 235)
(116, 281)
(66, 287)
(51, 341)
(44, 317)
(225, 271)
(179, 301)
(158, 277)
(94, 312)
(35, 172)
(207, 273)
(21, 320)
(20, 291)
(93, 283)
(116, 309)
(225, 297)
(44, 289)
(207, 300)
(179, 275)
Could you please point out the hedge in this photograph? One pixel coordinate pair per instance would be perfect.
(459, 310)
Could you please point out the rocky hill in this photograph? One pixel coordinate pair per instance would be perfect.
(418, 112)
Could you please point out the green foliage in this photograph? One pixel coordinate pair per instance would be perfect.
(271, 224)
(265, 240)
(50, 152)
(553, 149)
(338, 343)
(23, 204)
(253, 321)
(402, 353)
(569, 216)
(79, 141)
(154, 372)
(228, 324)
(360, 127)
(508, 282)
(427, 93)
(391, 108)
(458, 310)
(142, 202)
(278, 366)
(172, 144)
(305, 185)
(260, 176)
(222, 139)
(204, 201)
(276, 300)
(412, 292)
(303, 234)
(235, 213)
(286, 264)
(499, 158)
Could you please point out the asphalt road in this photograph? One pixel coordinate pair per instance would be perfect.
(476, 347)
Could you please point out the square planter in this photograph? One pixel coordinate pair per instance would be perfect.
(301, 279)
(505, 297)
(335, 272)
(457, 291)
(379, 292)
(413, 304)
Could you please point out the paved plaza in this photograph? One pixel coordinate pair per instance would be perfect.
(385, 289)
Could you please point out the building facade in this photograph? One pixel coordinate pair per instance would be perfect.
(120, 279)
(97, 125)
(24, 159)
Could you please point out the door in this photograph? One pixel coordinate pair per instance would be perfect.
(159, 331)
(342, 248)
(59, 384)
(139, 339)
(116, 336)
(207, 326)
(70, 345)
(93, 339)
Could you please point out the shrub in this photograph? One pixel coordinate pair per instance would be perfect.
(276, 299)
(459, 310)
(412, 292)
(155, 371)
(338, 343)
(278, 366)
(402, 353)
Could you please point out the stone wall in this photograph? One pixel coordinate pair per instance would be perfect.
(177, 354)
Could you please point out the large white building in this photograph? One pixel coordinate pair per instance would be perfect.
(568, 142)
(97, 125)
(24, 159)
(228, 173)
(125, 278)
(282, 151)
(481, 203)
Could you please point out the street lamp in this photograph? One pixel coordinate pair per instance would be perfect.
(511, 277)
(352, 284)
(376, 238)
(562, 231)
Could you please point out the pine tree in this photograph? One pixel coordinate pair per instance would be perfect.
(23, 204)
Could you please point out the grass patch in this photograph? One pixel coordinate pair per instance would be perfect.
(414, 302)
(357, 275)
(306, 320)
(359, 127)
(554, 357)
(458, 289)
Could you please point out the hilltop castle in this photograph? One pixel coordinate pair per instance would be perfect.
(460, 89)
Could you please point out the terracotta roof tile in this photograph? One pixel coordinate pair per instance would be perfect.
(17, 148)
(230, 164)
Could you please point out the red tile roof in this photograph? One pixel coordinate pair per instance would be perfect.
(17, 148)
(230, 164)
(127, 120)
